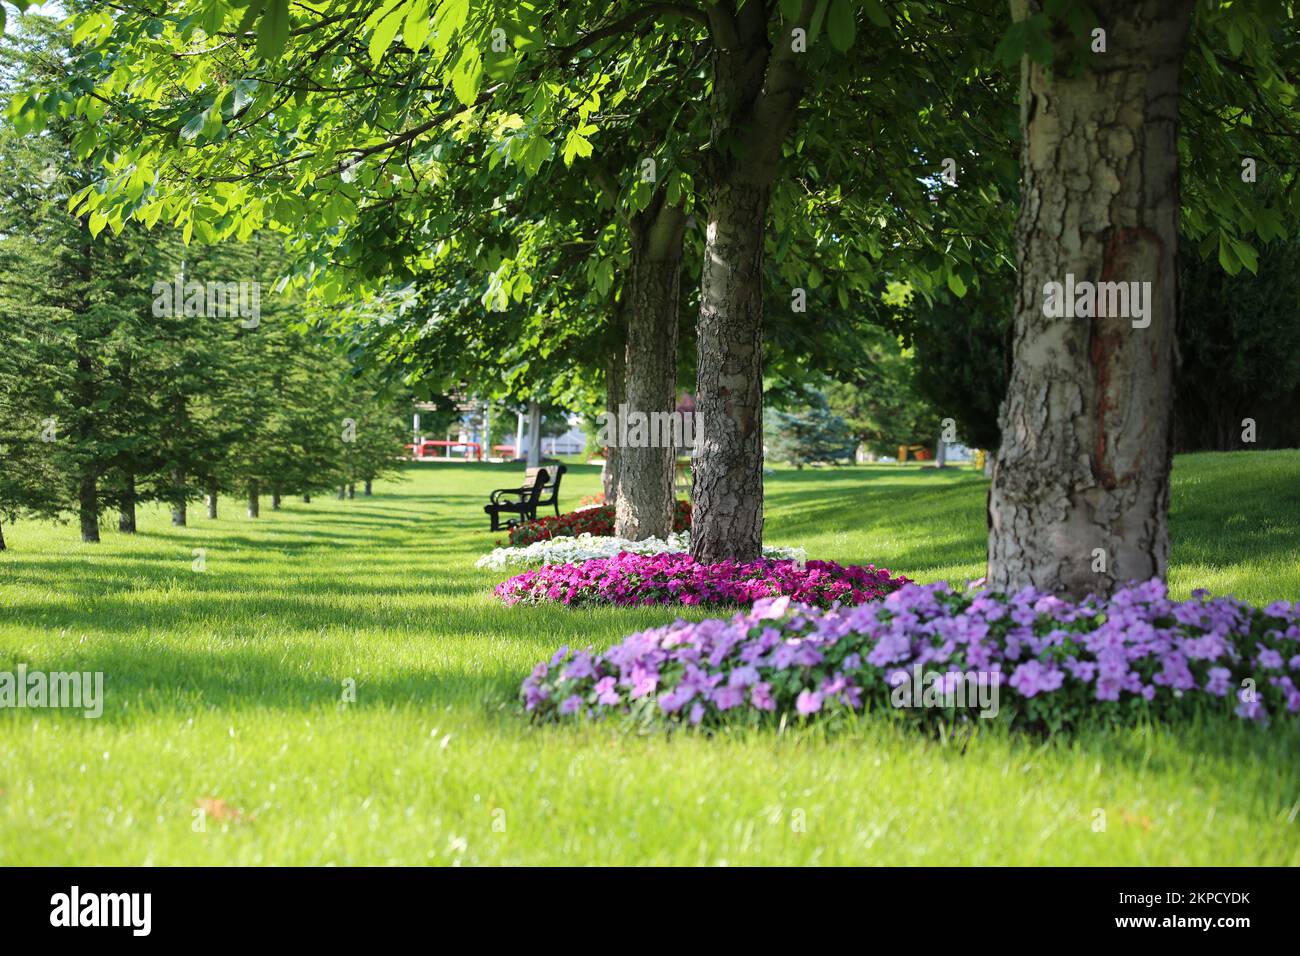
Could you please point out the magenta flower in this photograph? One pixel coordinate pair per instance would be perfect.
(769, 584)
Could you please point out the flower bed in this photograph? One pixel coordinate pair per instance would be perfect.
(594, 521)
(586, 546)
(1056, 662)
(636, 579)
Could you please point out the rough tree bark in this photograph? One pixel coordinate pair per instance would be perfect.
(1081, 481)
(615, 395)
(756, 91)
(645, 493)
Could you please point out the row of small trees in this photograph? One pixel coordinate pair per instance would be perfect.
(138, 370)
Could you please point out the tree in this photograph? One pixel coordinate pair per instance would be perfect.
(1080, 492)
(811, 434)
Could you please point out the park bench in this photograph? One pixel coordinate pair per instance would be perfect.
(537, 491)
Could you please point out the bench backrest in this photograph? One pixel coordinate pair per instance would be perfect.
(551, 484)
(536, 480)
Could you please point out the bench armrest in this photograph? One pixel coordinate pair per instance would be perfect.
(516, 492)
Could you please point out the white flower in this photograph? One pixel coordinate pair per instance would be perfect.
(587, 546)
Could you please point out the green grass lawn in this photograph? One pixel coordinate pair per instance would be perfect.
(224, 687)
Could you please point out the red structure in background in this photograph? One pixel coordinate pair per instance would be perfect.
(427, 450)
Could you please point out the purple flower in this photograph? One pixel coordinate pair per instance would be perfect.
(1033, 677)
(760, 696)
(780, 657)
(1219, 682)
(606, 692)
(809, 702)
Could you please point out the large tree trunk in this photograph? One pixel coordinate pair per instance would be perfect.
(645, 493)
(756, 90)
(179, 509)
(126, 512)
(615, 397)
(728, 473)
(1080, 495)
(254, 502)
(88, 509)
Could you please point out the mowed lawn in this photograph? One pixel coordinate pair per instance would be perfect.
(223, 691)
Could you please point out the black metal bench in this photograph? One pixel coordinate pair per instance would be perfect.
(525, 500)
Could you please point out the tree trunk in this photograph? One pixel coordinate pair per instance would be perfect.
(728, 474)
(940, 453)
(212, 498)
(179, 510)
(2, 536)
(352, 489)
(254, 504)
(615, 396)
(342, 492)
(88, 508)
(534, 434)
(645, 492)
(368, 490)
(306, 499)
(126, 513)
(1080, 495)
(756, 90)
(275, 499)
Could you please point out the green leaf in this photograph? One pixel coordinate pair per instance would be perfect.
(840, 25)
(790, 9)
(876, 13)
(1012, 45)
(815, 24)
(416, 29)
(382, 38)
(1230, 263)
(956, 284)
(575, 145)
(466, 76)
(1246, 254)
(250, 16)
(194, 126)
(273, 32)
